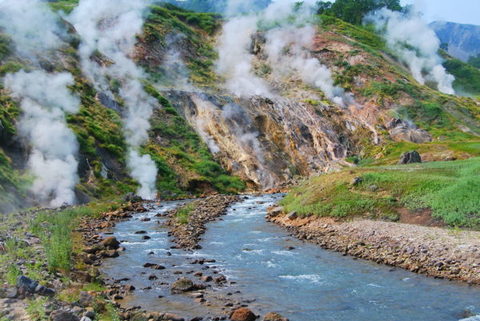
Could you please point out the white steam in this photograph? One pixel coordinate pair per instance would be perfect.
(31, 25)
(235, 59)
(288, 49)
(45, 99)
(109, 28)
(288, 46)
(415, 44)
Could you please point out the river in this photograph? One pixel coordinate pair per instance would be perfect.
(273, 271)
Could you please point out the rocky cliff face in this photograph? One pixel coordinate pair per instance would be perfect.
(268, 141)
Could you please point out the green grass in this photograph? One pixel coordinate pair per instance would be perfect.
(364, 35)
(55, 230)
(36, 309)
(183, 214)
(63, 5)
(467, 77)
(449, 189)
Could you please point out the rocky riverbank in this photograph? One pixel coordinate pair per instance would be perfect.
(437, 252)
(187, 234)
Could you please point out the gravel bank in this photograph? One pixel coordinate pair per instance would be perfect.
(187, 236)
(437, 252)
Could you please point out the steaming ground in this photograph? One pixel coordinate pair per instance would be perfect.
(109, 28)
(415, 44)
(287, 48)
(54, 148)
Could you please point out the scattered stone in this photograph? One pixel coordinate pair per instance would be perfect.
(154, 266)
(26, 285)
(275, 211)
(85, 299)
(182, 285)
(111, 243)
(206, 278)
(292, 215)
(146, 237)
(171, 317)
(272, 316)
(62, 315)
(129, 288)
(242, 314)
(141, 232)
(356, 181)
(410, 158)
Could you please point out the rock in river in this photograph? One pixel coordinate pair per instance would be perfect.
(272, 316)
(243, 314)
(111, 243)
(182, 285)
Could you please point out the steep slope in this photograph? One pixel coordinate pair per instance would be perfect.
(185, 165)
(463, 40)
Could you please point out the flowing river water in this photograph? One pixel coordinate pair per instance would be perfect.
(272, 271)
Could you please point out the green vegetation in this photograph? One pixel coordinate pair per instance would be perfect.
(474, 61)
(190, 31)
(183, 213)
(353, 11)
(467, 77)
(183, 160)
(63, 5)
(365, 37)
(448, 189)
(36, 309)
(56, 232)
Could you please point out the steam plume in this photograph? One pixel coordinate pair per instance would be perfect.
(109, 27)
(415, 44)
(54, 146)
(287, 49)
(44, 101)
(31, 25)
(235, 59)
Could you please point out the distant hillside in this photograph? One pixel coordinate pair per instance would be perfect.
(463, 40)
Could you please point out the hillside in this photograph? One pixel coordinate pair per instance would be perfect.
(203, 138)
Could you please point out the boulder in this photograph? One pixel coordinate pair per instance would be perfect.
(171, 317)
(243, 314)
(275, 211)
(153, 266)
(62, 315)
(111, 243)
(272, 316)
(410, 158)
(401, 130)
(182, 285)
(292, 215)
(356, 181)
(85, 299)
(26, 285)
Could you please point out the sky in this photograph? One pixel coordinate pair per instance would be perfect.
(461, 11)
